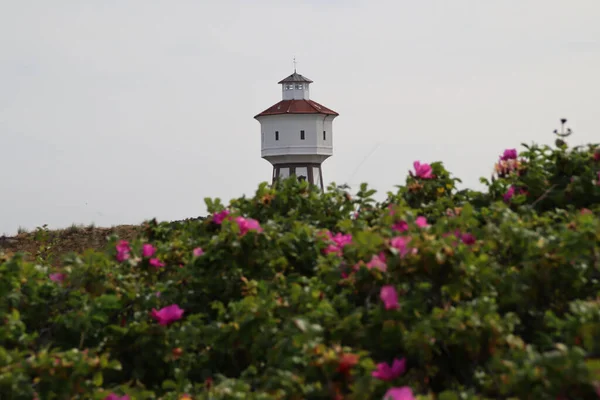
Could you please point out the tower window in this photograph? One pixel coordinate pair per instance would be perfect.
(298, 86)
(276, 135)
(301, 135)
(289, 86)
(324, 135)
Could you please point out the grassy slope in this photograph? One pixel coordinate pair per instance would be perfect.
(64, 241)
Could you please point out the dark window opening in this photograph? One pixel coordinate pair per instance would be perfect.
(301, 135)
(276, 135)
(324, 135)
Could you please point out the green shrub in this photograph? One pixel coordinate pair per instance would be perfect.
(298, 294)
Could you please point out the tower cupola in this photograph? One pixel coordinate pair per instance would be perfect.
(295, 87)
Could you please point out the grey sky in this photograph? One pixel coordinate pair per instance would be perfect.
(118, 111)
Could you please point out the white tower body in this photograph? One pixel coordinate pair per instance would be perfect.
(296, 133)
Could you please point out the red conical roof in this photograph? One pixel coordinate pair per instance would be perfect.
(297, 107)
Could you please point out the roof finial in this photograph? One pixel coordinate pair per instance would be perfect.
(562, 134)
(295, 64)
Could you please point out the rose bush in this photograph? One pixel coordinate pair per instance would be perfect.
(434, 293)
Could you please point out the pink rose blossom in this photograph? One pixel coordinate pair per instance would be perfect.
(389, 296)
(57, 277)
(423, 171)
(467, 238)
(168, 314)
(399, 393)
(220, 216)
(113, 396)
(198, 252)
(509, 194)
(421, 222)
(509, 154)
(339, 242)
(378, 262)
(400, 244)
(387, 372)
(512, 191)
(400, 226)
(155, 262)
(123, 250)
(340, 239)
(247, 224)
(148, 250)
(332, 248)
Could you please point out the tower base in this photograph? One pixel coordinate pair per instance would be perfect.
(306, 171)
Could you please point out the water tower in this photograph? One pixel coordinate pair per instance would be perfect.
(296, 133)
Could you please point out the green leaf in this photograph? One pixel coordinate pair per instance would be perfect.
(169, 385)
(98, 379)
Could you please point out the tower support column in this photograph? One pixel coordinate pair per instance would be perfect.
(308, 171)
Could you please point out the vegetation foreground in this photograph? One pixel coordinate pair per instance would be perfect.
(434, 293)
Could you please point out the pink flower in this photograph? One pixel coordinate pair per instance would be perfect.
(148, 250)
(168, 314)
(113, 396)
(220, 216)
(400, 226)
(421, 222)
(155, 262)
(509, 194)
(198, 252)
(400, 244)
(57, 277)
(378, 261)
(157, 294)
(340, 239)
(332, 248)
(399, 393)
(247, 224)
(339, 242)
(123, 245)
(467, 238)
(423, 171)
(389, 296)
(597, 155)
(385, 372)
(509, 154)
(123, 250)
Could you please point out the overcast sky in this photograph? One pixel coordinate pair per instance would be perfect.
(118, 111)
